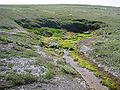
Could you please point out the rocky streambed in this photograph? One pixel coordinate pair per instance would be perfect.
(89, 77)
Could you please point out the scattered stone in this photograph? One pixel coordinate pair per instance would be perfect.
(6, 47)
(85, 49)
(21, 65)
(40, 51)
(53, 45)
(56, 83)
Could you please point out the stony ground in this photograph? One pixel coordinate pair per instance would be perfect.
(20, 65)
(56, 83)
(86, 47)
(23, 65)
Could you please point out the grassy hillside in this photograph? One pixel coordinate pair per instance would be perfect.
(26, 28)
(60, 12)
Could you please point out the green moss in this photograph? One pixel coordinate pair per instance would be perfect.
(48, 32)
(109, 83)
(66, 44)
(106, 80)
(82, 61)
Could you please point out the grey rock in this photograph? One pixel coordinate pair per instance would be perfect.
(22, 65)
(53, 44)
(56, 83)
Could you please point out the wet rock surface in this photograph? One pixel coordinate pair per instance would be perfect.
(56, 83)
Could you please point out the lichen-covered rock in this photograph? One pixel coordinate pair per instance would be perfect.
(6, 47)
(21, 65)
(53, 44)
(56, 83)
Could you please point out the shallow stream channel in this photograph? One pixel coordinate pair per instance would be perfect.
(88, 76)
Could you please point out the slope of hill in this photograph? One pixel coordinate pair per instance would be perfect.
(33, 39)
